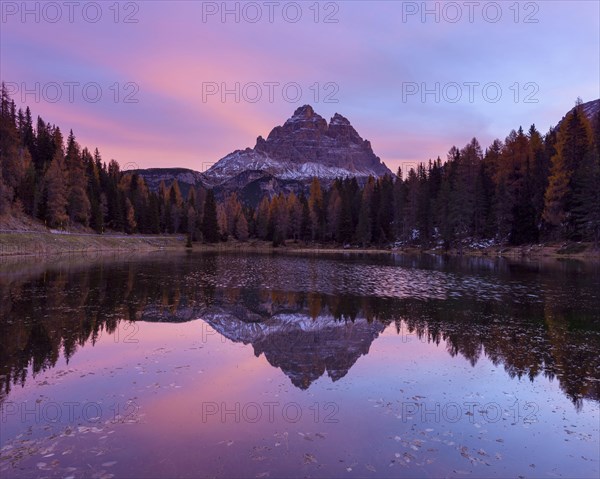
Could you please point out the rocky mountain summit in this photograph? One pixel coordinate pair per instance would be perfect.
(305, 146)
(303, 347)
(591, 110)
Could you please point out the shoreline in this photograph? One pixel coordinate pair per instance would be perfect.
(573, 250)
(91, 246)
(38, 243)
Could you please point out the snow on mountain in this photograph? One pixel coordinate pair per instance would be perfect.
(232, 328)
(304, 147)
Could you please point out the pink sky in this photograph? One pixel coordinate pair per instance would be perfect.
(364, 61)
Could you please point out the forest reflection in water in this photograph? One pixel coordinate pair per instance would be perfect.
(312, 315)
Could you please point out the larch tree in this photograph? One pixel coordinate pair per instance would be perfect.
(241, 228)
(233, 209)
(131, 224)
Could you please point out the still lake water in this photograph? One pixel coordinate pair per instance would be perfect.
(239, 365)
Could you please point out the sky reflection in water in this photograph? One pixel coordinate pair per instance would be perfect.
(282, 365)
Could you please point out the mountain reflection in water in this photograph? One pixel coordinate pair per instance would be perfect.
(312, 316)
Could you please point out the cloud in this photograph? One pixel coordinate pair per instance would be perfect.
(364, 61)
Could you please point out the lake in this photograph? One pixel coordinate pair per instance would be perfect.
(284, 365)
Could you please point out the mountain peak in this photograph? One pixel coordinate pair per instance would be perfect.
(303, 147)
(305, 110)
(305, 115)
(338, 119)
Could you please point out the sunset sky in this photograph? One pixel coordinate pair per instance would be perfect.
(368, 56)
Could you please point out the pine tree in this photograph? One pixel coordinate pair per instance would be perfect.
(294, 212)
(189, 218)
(317, 209)
(305, 226)
(432, 188)
(278, 220)
(79, 207)
(262, 219)
(347, 225)
(175, 207)
(44, 146)
(55, 181)
(445, 225)
(93, 189)
(28, 189)
(586, 198)
(385, 213)
(462, 209)
(411, 205)
(153, 221)
(363, 230)
(11, 153)
(524, 229)
(573, 142)
(540, 170)
(399, 206)
(334, 211)
(5, 194)
(210, 227)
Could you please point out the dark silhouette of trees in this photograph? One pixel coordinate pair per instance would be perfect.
(526, 188)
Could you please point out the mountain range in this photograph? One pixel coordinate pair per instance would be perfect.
(304, 147)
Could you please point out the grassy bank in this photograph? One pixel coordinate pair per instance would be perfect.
(89, 245)
(44, 243)
(578, 250)
(558, 250)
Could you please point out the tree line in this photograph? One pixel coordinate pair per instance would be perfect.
(525, 189)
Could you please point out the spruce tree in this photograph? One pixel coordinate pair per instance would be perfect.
(210, 226)
(55, 181)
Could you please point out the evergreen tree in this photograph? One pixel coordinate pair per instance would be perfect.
(573, 142)
(305, 226)
(55, 181)
(294, 212)
(385, 212)
(210, 227)
(262, 219)
(78, 207)
(317, 209)
(5, 194)
(399, 207)
(347, 225)
(334, 212)
(364, 228)
(586, 198)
